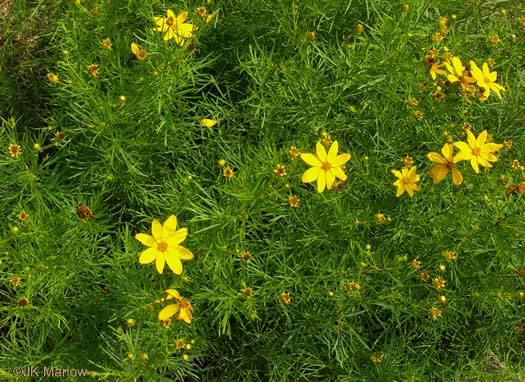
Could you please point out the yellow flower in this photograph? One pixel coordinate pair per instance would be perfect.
(438, 283)
(353, 286)
(310, 36)
(174, 27)
(179, 344)
(228, 173)
(285, 298)
(436, 68)
(326, 167)
(15, 281)
(106, 44)
(435, 313)
(93, 70)
(458, 73)
(201, 11)
(486, 80)
(60, 137)
(22, 216)
(406, 181)
(139, 53)
(208, 18)
(359, 28)
(442, 21)
(164, 245)
(380, 218)
(477, 151)
(183, 307)
(412, 102)
(445, 164)
(293, 153)
(494, 39)
(449, 255)
(415, 264)
(437, 37)
(144, 357)
(14, 150)
(52, 77)
(405, 8)
(208, 122)
(280, 171)
(293, 201)
(417, 114)
(407, 161)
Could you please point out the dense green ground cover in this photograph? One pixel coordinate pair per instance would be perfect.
(286, 283)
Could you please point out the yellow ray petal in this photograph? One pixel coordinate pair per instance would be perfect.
(177, 237)
(339, 173)
(340, 160)
(168, 311)
(156, 230)
(171, 223)
(182, 253)
(311, 159)
(148, 256)
(174, 263)
(330, 179)
(146, 239)
(457, 178)
(321, 181)
(160, 261)
(438, 172)
(437, 158)
(447, 151)
(311, 174)
(332, 153)
(321, 152)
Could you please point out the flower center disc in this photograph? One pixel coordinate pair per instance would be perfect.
(326, 166)
(476, 152)
(170, 20)
(162, 247)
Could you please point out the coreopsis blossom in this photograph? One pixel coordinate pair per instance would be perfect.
(458, 73)
(293, 201)
(280, 171)
(174, 27)
(285, 298)
(310, 36)
(183, 307)
(477, 150)
(208, 18)
(412, 102)
(445, 163)
(406, 181)
(228, 173)
(486, 80)
(435, 68)
(359, 28)
(424, 276)
(415, 264)
(15, 281)
(407, 161)
(438, 282)
(106, 44)
(14, 150)
(494, 39)
(405, 8)
(201, 11)
(353, 286)
(164, 245)
(208, 122)
(437, 37)
(139, 53)
(325, 167)
(294, 152)
(60, 137)
(93, 70)
(22, 216)
(380, 218)
(52, 77)
(435, 313)
(449, 255)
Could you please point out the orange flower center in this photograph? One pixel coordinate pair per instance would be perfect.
(476, 152)
(170, 20)
(487, 81)
(162, 246)
(326, 166)
(184, 304)
(449, 165)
